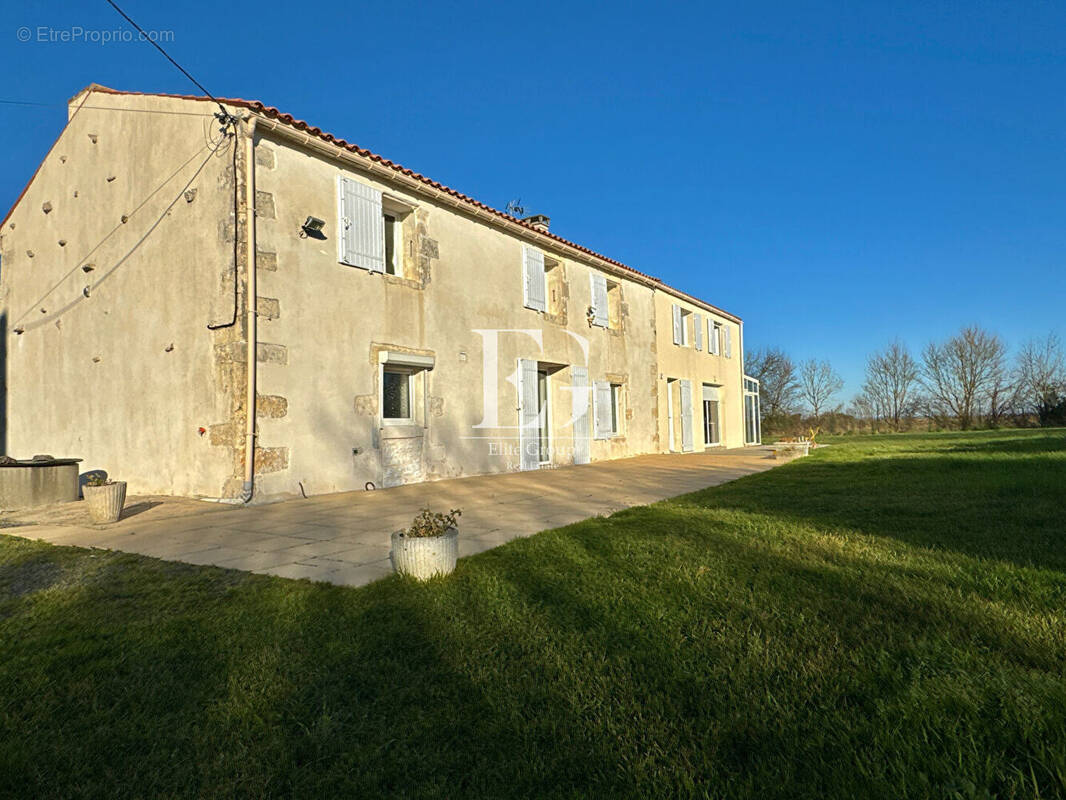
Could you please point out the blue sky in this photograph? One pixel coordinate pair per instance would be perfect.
(837, 174)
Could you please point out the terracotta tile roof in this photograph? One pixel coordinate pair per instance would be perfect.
(273, 113)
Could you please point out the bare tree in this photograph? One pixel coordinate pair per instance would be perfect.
(891, 384)
(862, 408)
(1041, 375)
(778, 387)
(1003, 393)
(818, 384)
(962, 374)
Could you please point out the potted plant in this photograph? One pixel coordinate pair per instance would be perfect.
(105, 498)
(429, 547)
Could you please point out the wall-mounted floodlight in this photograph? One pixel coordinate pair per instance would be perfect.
(313, 226)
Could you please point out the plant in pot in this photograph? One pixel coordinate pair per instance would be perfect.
(105, 498)
(429, 547)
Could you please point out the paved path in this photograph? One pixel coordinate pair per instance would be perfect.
(344, 538)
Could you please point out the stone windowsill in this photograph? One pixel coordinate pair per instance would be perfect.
(402, 431)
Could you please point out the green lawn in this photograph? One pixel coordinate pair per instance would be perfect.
(886, 618)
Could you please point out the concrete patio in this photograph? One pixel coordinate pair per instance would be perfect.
(344, 538)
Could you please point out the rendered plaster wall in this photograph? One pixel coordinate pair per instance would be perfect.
(700, 367)
(116, 260)
(459, 300)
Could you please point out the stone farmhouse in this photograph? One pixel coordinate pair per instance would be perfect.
(220, 300)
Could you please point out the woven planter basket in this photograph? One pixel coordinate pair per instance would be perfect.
(105, 502)
(423, 557)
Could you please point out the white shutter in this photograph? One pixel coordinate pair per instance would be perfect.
(579, 386)
(686, 416)
(362, 226)
(528, 414)
(670, 413)
(534, 290)
(679, 331)
(598, 292)
(697, 326)
(603, 410)
(728, 341)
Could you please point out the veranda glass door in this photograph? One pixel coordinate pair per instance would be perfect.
(712, 428)
(711, 433)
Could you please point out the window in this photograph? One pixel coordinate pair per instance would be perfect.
(555, 283)
(396, 394)
(616, 408)
(608, 409)
(714, 346)
(534, 283)
(682, 326)
(543, 281)
(394, 214)
(614, 305)
(390, 246)
(712, 434)
(370, 228)
(752, 417)
(605, 310)
(598, 309)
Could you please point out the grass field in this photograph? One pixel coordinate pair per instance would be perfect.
(886, 618)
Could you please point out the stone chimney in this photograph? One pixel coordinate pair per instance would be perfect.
(538, 221)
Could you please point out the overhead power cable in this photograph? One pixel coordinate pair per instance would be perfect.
(166, 55)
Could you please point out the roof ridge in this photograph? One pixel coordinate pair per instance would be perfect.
(299, 124)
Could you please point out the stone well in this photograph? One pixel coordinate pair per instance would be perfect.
(37, 482)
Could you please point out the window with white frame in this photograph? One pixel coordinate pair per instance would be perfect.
(543, 281)
(403, 383)
(608, 409)
(682, 326)
(396, 395)
(714, 346)
(605, 309)
(370, 226)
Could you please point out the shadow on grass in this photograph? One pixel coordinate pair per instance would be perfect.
(700, 647)
(1049, 442)
(987, 499)
(765, 670)
(144, 681)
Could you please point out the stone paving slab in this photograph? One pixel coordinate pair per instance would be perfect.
(345, 538)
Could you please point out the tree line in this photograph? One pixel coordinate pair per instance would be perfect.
(969, 380)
